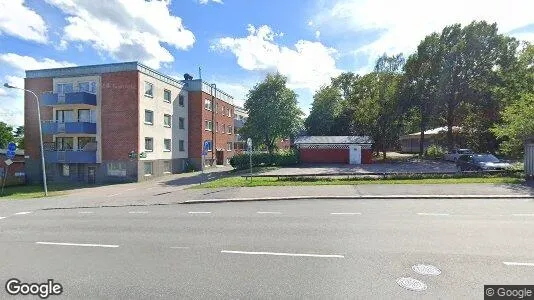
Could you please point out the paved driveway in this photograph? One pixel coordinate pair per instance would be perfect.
(416, 166)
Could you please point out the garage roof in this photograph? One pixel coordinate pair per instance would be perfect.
(333, 140)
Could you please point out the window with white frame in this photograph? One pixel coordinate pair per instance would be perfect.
(167, 120)
(166, 144)
(209, 125)
(229, 129)
(149, 89)
(116, 169)
(216, 126)
(149, 144)
(223, 128)
(149, 117)
(63, 88)
(181, 123)
(89, 87)
(208, 104)
(65, 170)
(181, 145)
(166, 166)
(148, 168)
(167, 96)
(229, 146)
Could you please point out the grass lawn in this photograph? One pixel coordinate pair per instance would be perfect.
(270, 181)
(35, 191)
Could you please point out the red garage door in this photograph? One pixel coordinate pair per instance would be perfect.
(340, 156)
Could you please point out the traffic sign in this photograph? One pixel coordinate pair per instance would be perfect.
(11, 148)
(8, 162)
(207, 147)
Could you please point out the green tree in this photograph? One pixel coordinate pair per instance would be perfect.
(19, 136)
(325, 110)
(6, 135)
(273, 111)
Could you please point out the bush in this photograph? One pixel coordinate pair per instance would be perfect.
(281, 158)
(435, 151)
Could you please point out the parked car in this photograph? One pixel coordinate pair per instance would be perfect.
(480, 162)
(455, 153)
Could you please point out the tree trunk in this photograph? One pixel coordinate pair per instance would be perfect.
(422, 135)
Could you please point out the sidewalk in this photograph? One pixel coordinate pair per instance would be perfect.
(374, 191)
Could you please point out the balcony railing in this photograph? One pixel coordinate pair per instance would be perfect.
(54, 154)
(51, 98)
(55, 127)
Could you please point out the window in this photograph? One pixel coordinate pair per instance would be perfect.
(149, 89)
(223, 129)
(167, 120)
(84, 115)
(117, 169)
(166, 144)
(229, 112)
(65, 170)
(209, 125)
(229, 146)
(166, 166)
(149, 144)
(64, 143)
(167, 96)
(148, 168)
(208, 104)
(89, 87)
(229, 129)
(63, 116)
(86, 143)
(181, 123)
(62, 88)
(216, 108)
(222, 109)
(181, 100)
(181, 146)
(216, 126)
(149, 117)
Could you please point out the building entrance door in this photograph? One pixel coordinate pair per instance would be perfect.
(91, 176)
(355, 154)
(220, 157)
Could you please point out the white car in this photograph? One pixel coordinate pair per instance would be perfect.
(455, 153)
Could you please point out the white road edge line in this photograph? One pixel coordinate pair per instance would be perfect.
(199, 212)
(2, 218)
(269, 212)
(523, 215)
(179, 247)
(23, 213)
(284, 254)
(138, 212)
(345, 213)
(511, 263)
(79, 245)
(113, 195)
(433, 214)
(86, 212)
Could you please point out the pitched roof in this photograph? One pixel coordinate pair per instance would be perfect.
(333, 140)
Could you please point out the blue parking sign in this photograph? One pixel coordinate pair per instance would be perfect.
(11, 148)
(206, 148)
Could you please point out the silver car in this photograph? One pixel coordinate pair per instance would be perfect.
(455, 153)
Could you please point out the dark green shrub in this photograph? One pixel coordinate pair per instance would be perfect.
(435, 151)
(281, 158)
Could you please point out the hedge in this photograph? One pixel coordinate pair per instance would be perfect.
(282, 158)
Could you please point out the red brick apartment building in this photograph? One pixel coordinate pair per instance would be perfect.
(121, 122)
(211, 119)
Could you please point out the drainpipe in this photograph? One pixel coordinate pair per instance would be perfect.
(213, 122)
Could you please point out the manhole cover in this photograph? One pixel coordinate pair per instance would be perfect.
(426, 270)
(411, 284)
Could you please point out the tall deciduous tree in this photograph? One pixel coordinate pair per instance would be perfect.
(325, 110)
(6, 135)
(19, 136)
(273, 111)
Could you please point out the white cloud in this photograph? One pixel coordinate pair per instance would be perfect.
(207, 1)
(307, 64)
(317, 34)
(402, 24)
(12, 110)
(126, 29)
(18, 20)
(15, 80)
(237, 90)
(22, 63)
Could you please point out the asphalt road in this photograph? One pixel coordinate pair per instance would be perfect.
(286, 249)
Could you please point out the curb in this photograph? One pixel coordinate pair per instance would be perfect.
(359, 197)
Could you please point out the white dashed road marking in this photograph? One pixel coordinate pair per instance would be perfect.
(79, 245)
(285, 254)
(113, 195)
(138, 212)
(200, 212)
(511, 263)
(23, 213)
(2, 218)
(345, 213)
(433, 214)
(86, 212)
(179, 247)
(523, 215)
(268, 212)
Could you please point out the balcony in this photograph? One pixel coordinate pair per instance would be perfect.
(51, 99)
(70, 157)
(54, 127)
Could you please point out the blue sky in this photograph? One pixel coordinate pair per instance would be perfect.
(235, 42)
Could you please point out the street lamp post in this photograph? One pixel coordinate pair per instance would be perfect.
(40, 131)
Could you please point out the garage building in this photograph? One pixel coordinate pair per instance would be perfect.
(335, 149)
